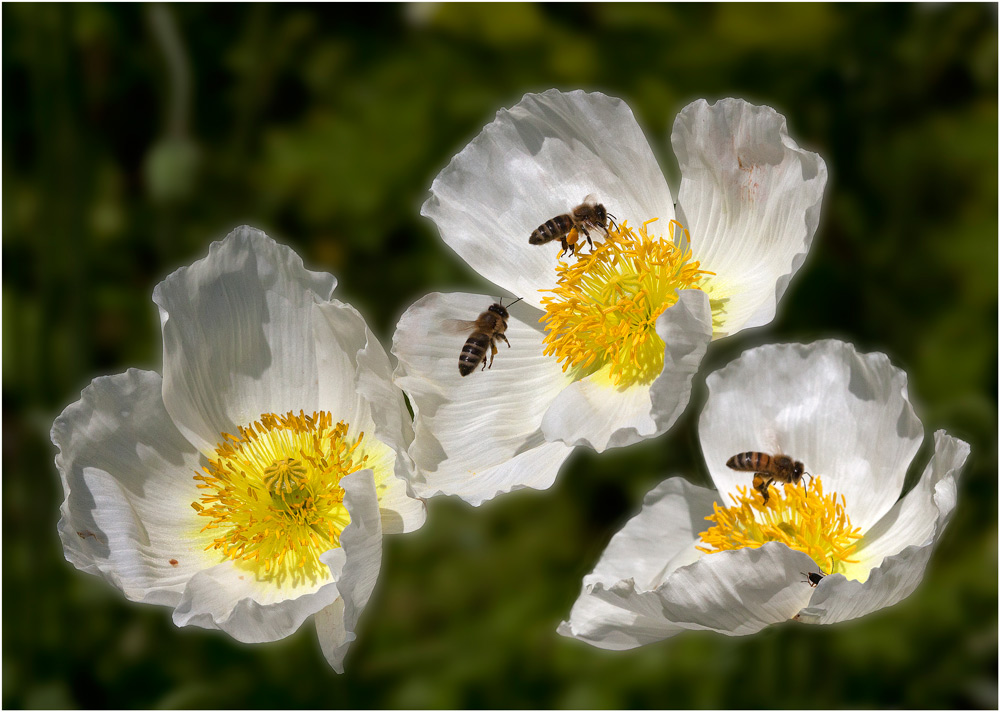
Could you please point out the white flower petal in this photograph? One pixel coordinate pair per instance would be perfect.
(535, 161)
(355, 384)
(751, 200)
(594, 413)
(237, 336)
(659, 539)
(918, 518)
(230, 598)
(845, 415)
(362, 545)
(732, 592)
(478, 435)
(128, 475)
(617, 626)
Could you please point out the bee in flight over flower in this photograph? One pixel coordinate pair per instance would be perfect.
(767, 469)
(568, 227)
(488, 328)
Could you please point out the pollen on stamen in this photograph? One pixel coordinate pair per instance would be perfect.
(602, 312)
(273, 492)
(800, 516)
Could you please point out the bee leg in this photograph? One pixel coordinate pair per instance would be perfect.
(586, 234)
(501, 336)
(565, 246)
(493, 352)
(760, 483)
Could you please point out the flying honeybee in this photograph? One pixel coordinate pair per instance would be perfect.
(567, 228)
(767, 469)
(488, 328)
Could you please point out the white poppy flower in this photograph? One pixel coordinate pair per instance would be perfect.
(838, 545)
(249, 486)
(604, 343)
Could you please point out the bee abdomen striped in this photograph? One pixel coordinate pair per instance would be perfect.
(746, 461)
(472, 353)
(551, 230)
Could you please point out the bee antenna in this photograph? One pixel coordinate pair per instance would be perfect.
(512, 303)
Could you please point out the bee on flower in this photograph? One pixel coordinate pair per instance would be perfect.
(608, 338)
(831, 549)
(249, 486)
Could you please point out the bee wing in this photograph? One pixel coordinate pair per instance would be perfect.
(458, 326)
(591, 199)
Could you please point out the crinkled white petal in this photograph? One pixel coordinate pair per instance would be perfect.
(750, 198)
(535, 161)
(659, 539)
(731, 592)
(594, 413)
(362, 545)
(237, 338)
(128, 477)
(844, 415)
(917, 518)
(229, 597)
(355, 385)
(478, 435)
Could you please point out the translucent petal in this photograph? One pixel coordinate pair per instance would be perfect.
(750, 198)
(237, 339)
(128, 479)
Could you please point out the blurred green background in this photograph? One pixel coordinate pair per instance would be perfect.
(135, 135)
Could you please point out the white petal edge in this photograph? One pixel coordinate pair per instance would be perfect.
(227, 598)
(237, 336)
(476, 436)
(844, 414)
(128, 480)
(751, 199)
(537, 160)
(336, 625)
(916, 524)
(355, 384)
(659, 539)
(595, 414)
(731, 592)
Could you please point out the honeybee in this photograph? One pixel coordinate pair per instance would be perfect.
(767, 469)
(488, 328)
(813, 579)
(588, 214)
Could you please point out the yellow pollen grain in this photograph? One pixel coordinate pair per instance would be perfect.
(602, 312)
(272, 494)
(800, 516)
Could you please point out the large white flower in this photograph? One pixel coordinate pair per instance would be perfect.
(250, 486)
(838, 545)
(604, 344)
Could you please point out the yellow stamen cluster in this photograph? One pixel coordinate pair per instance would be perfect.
(603, 310)
(803, 518)
(274, 494)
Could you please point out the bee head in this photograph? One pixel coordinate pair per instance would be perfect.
(500, 309)
(602, 213)
(797, 469)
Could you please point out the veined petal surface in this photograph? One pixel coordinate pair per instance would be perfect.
(537, 160)
(236, 336)
(478, 435)
(751, 200)
(127, 474)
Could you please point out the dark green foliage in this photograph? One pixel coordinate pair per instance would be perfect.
(134, 135)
